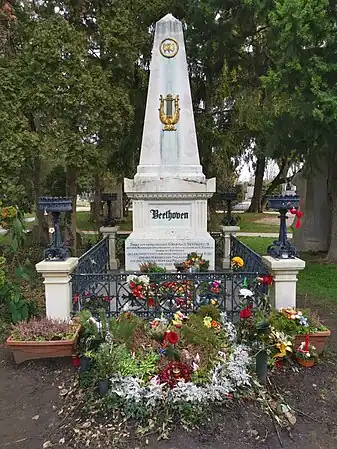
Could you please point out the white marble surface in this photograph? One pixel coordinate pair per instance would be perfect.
(169, 152)
(169, 192)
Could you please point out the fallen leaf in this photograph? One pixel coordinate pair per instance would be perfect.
(62, 440)
(36, 417)
(46, 444)
(291, 418)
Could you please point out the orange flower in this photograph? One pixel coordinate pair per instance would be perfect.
(214, 323)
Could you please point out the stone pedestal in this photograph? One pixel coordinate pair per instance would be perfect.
(58, 294)
(227, 232)
(284, 272)
(111, 233)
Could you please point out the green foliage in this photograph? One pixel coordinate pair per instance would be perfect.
(201, 376)
(90, 338)
(190, 414)
(194, 332)
(105, 361)
(123, 328)
(292, 327)
(209, 310)
(116, 358)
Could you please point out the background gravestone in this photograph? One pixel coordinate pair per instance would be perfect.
(315, 223)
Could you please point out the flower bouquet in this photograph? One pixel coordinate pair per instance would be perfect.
(141, 288)
(151, 267)
(237, 263)
(296, 323)
(306, 354)
(193, 263)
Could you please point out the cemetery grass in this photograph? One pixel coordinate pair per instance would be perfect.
(317, 282)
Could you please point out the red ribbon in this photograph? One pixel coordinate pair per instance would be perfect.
(299, 215)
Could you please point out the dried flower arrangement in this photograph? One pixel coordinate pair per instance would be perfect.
(42, 338)
(43, 329)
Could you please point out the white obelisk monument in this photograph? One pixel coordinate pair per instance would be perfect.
(169, 191)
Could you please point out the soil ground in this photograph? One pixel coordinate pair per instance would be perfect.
(30, 401)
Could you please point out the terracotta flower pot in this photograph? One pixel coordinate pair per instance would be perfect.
(31, 350)
(306, 363)
(317, 339)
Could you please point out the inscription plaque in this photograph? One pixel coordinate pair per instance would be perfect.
(165, 253)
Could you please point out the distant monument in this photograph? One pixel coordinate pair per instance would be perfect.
(169, 191)
(315, 224)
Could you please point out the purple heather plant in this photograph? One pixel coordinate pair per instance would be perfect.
(43, 329)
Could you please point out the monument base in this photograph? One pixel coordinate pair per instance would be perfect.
(166, 250)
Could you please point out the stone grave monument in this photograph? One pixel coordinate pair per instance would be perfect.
(169, 192)
(315, 224)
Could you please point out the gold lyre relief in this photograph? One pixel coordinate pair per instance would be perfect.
(166, 114)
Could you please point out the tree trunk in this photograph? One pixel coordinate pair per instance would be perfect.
(280, 178)
(332, 252)
(72, 193)
(255, 205)
(95, 207)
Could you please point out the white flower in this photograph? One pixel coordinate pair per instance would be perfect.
(144, 279)
(92, 320)
(246, 293)
(51, 230)
(126, 307)
(131, 278)
(195, 367)
(222, 355)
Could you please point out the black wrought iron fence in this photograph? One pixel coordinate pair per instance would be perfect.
(253, 261)
(96, 260)
(157, 294)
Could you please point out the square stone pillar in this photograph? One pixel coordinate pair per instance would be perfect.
(227, 232)
(58, 294)
(284, 272)
(111, 233)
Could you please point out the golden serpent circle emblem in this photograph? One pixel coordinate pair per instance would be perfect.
(169, 47)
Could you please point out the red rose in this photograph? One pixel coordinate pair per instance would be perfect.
(266, 279)
(172, 337)
(245, 313)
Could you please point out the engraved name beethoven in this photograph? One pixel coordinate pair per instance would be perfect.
(168, 215)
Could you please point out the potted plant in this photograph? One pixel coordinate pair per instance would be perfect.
(306, 354)
(89, 339)
(42, 338)
(85, 361)
(104, 366)
(297, 323)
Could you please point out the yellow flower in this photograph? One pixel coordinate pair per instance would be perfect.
(208, 321)
(213, 302)
(282, 343)
(237, 262)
